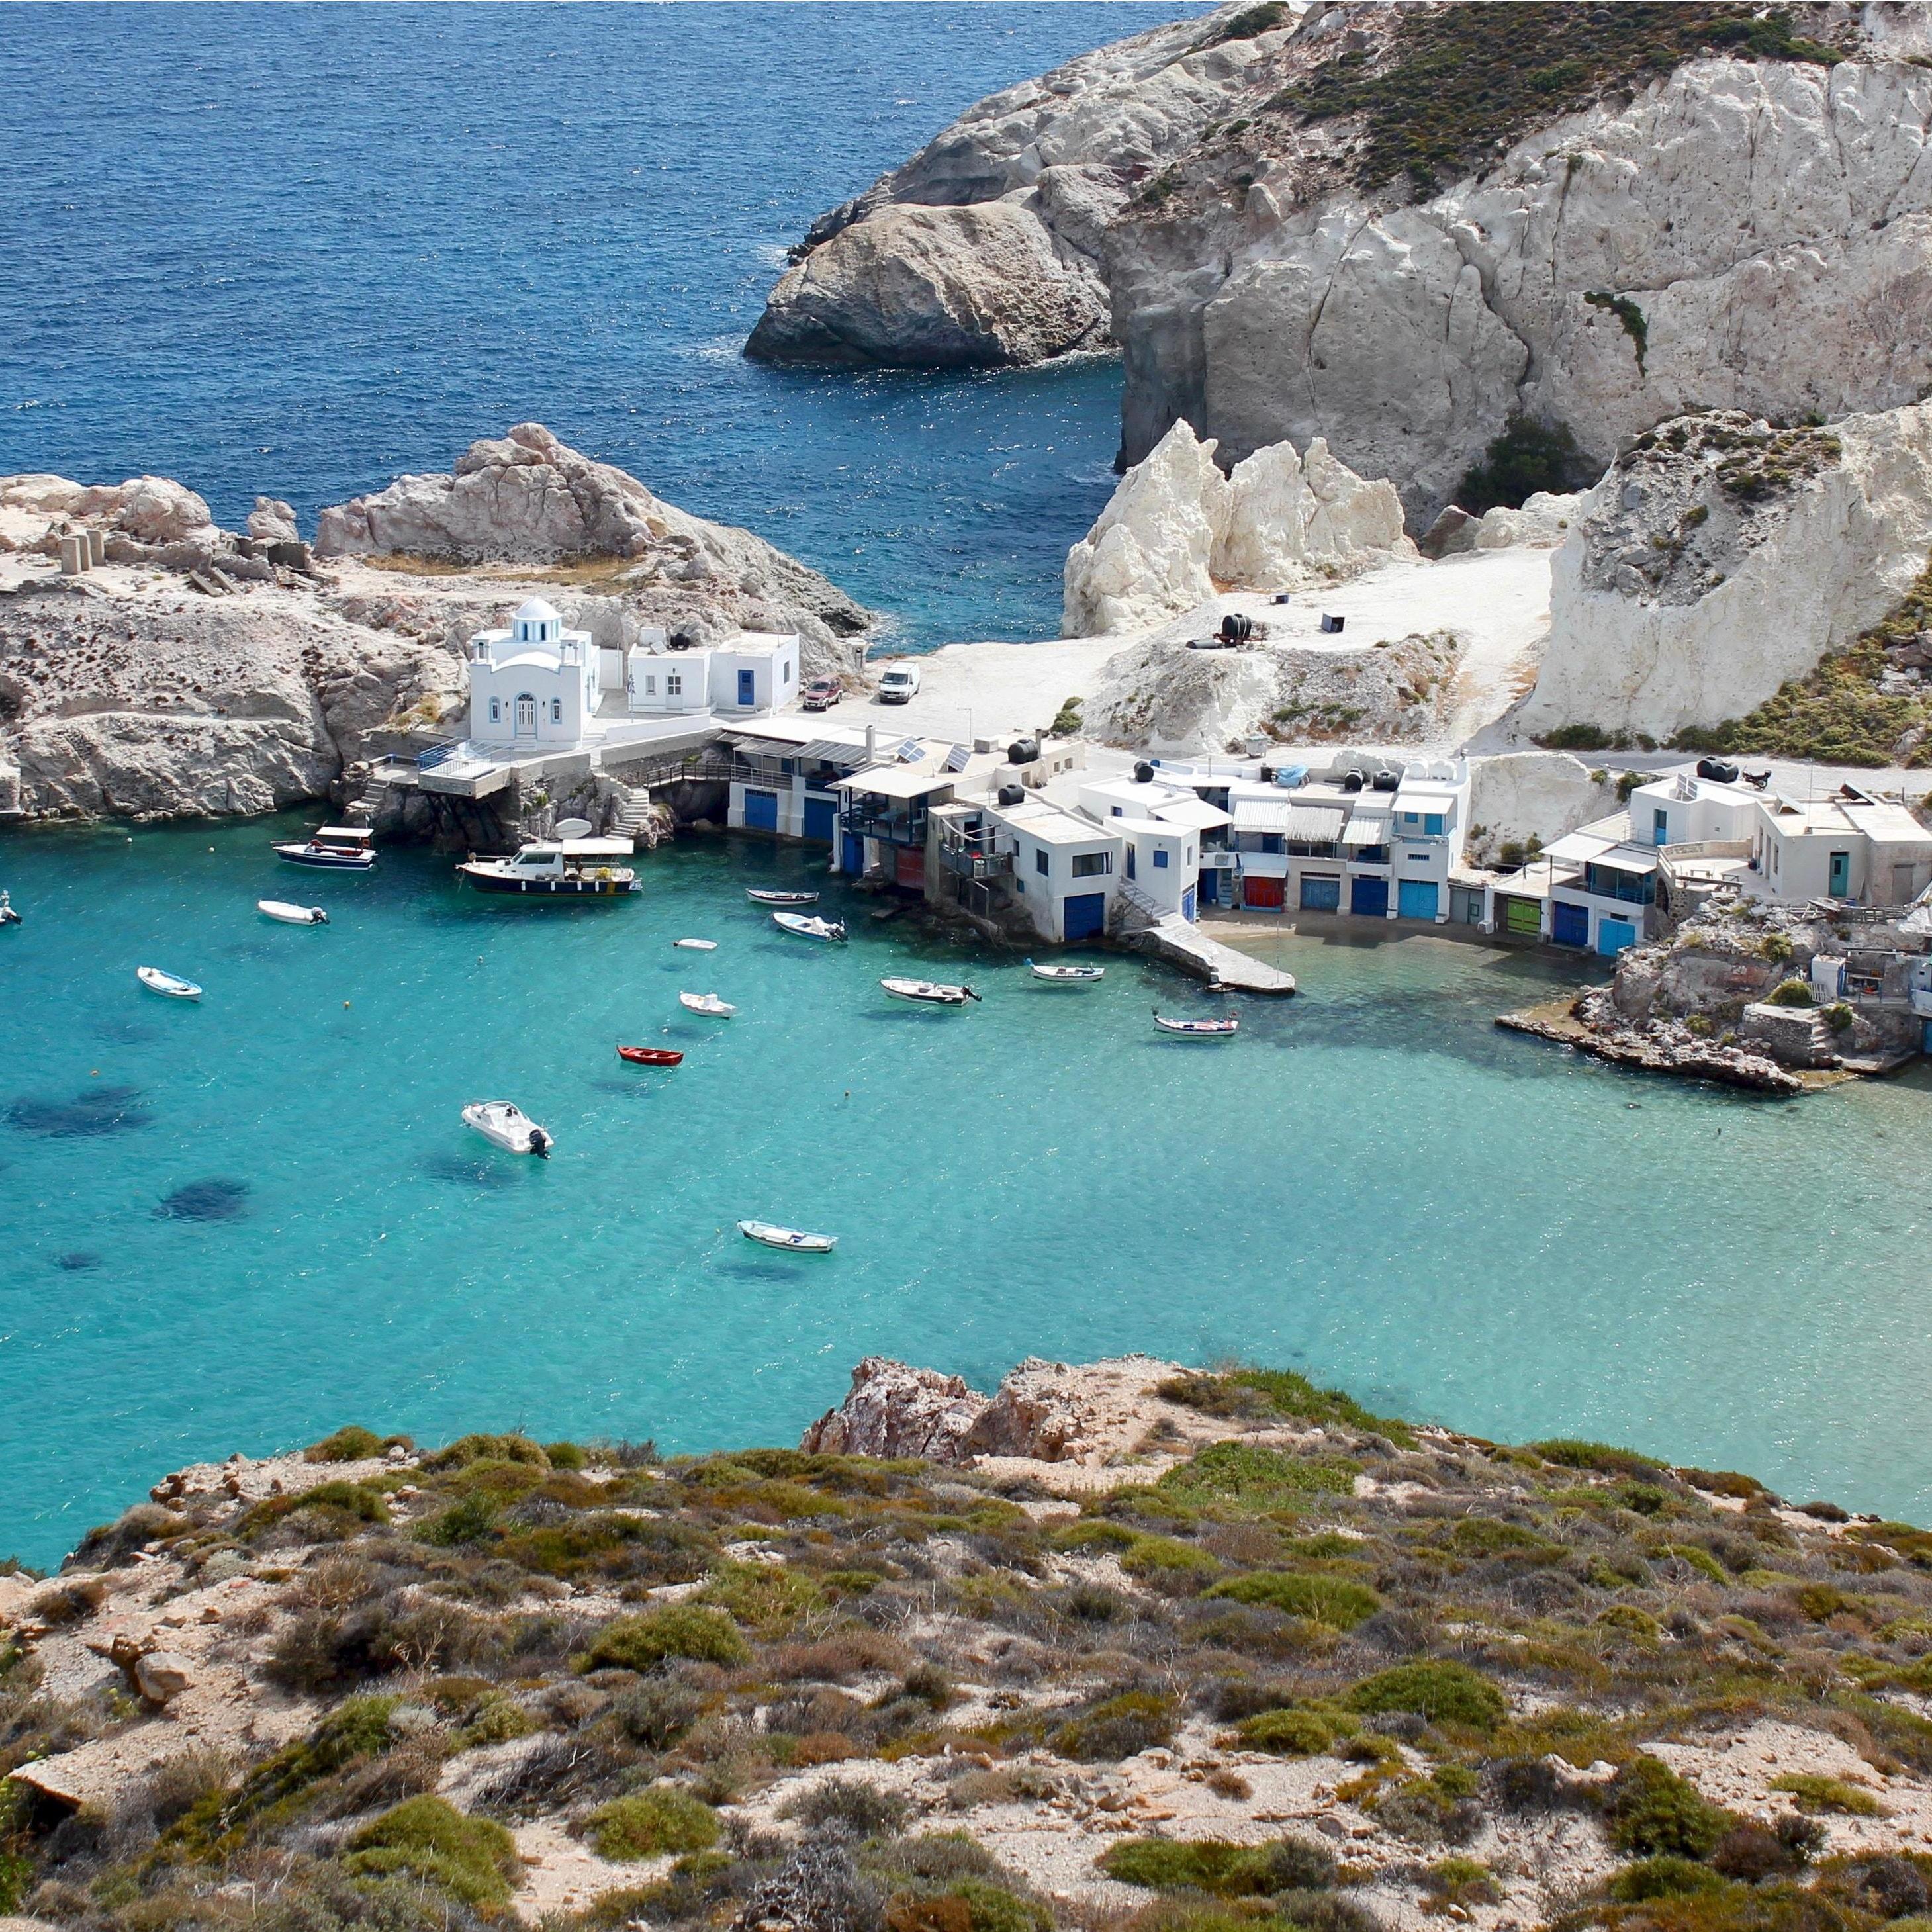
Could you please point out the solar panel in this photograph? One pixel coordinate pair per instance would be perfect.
(956, 759)
(911, 751)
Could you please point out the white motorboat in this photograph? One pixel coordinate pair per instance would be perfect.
(557, 868)
(292, 915)
(8, 916)
(708, 1004)
(769, 898)
(331, 848)
(928, 992)
(1198, 1029)
(504, 1124)
(696, 945)
(1067, 976)
(792, 1240)
(807, 928)
(171, 984)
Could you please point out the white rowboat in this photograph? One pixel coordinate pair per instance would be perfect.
(809, 929)
(175, 987)
(1067, 976)
(696, 945)
(506, 1125)
(928, 992)
(706, 1002)
(1198, 1029)
(794, 1240)
(759, 897)
(292, 915)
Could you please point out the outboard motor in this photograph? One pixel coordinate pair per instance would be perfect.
(539, 1143)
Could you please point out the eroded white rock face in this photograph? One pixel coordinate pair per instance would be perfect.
(150, 509)
(1176, 531)
(1543, 522)
(1521, 795)
(1678, 600)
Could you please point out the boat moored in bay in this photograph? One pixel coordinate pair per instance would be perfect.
(331, 848)
(808, 927)
(928, 992)
(504, 1124)
(292, 915)
(557, 868)
(758, 897)
(1067, 976)
(170, 985)
(792, 1240)
(1198, 1029)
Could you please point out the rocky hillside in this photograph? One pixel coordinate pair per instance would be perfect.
(1406, 228)
(200, 672)
(1126, 1647)
(1719, 559)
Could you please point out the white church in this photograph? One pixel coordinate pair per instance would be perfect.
(535, 687)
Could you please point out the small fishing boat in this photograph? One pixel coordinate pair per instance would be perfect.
(505, 1124)
(650, 1056)
(695, 945)
(331, 848)
(1198, 1029)
(171, 984)
(759, 898)
(794, 1240)
(808, 927)
(706, 1002)
(292, 915)
(927, 992)
(1067, 976)
(8, 916)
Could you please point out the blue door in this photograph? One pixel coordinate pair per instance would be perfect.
(1321, 892)
(1187, 905)
(1570, 925)
(748, 688)
(1660, 826)
(1841, 874)
(821, 819)
(1614, 935)
(1086, 916)
(1415, 899)
(761, 810)
(1369, 898)
(852, 857)
(1210, 886)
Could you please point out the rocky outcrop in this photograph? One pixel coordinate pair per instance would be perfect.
(152, 510)
(894, 1410)
(1521, 796)
(526, 498)
(984, 248)
(1720, 557)
(1742, 229)
(1176, 531)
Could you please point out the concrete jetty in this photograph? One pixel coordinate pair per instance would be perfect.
(1185, 946)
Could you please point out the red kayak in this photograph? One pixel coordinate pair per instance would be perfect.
(650, 1056)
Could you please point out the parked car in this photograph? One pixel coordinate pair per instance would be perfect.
(821, 694)
(899, 685)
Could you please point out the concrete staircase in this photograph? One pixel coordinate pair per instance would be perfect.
(635, 811)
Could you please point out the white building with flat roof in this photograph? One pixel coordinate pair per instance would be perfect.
(532, 684)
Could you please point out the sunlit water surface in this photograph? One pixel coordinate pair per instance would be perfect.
(240, 1224)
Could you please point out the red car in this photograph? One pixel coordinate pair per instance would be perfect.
(821, 694)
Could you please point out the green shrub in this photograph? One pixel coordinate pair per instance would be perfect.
(1250, 21)
(1577, 738)
(466, 1520)
(1632, 317)
(1776, 947)
(352, 1445)
(672, 1629)
(1066, 720)
(1839, 1017)
(864, 1809)
(468, 1449)
(1327, 1600)
(1815, 1793)
(666, 1818)
(1438, 1689)
(564, 1456)
(472, 1859)
(1168, 1563)
(1528, 456)
(767, 1597)
(1791, 993)
(1259, 1392)
(1258, 1479)
(1567, 1452)
(1117, 1727)
(1213, 1866)
(1699, 1559)
(1286, 1733)
(1667, 1877)
(1653, 1812)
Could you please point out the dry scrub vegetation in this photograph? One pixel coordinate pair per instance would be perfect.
(1328, 1672)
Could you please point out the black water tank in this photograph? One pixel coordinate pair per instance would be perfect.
(1719, 771)
(1022, 750)
(679, 640)
(1012, 795)
(1385, 781)
(1352, 781)
(1143, 773)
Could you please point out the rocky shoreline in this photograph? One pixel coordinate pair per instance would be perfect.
(1124, 1644)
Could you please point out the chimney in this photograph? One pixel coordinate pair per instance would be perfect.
(872, 744)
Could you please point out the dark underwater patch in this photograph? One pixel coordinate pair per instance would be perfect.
(216, 1199)
(467, 1172)
(97, 1110)
(78, 1262)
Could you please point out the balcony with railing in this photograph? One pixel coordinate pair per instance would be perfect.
(890, 824)
(986, 854)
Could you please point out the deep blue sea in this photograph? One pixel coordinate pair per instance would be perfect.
(240, 1224)
(299, 251)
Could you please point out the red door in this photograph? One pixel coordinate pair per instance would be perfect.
(1265, 894)
(911, 865)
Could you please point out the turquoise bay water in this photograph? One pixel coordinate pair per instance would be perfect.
(1372, 1182)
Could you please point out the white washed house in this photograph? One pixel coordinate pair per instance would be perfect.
(532, 684)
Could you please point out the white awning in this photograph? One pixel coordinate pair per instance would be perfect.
(895, 782)
(1195, 814)
(1365, 828)
(1315, 822)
